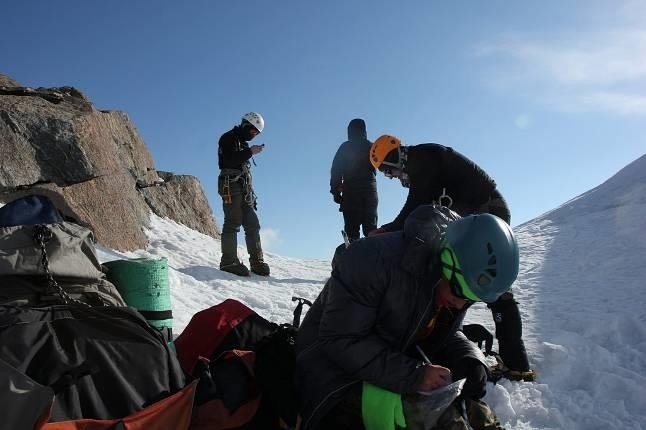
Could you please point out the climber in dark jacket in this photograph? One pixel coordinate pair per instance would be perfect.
(353, 182)
(389, 294)
(436, 173)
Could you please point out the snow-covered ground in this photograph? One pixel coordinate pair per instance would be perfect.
(580, 290)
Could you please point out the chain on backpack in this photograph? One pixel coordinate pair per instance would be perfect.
(42, 235)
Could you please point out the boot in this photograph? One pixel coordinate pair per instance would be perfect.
(259, 267)
(236, 268)
(256, 260)
(500, 370)
(229, 246)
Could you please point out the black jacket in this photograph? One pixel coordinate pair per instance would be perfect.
(233, 150)
(366, 320)
(351, 164)
(431, 168)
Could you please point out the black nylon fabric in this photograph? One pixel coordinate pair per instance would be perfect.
(359, 211)
(102, 362)
(233, 150)
(351, 165)
(431, 168)
(509, 332)
(246, 335)
(24, 402)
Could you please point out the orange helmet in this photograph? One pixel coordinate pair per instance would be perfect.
(382, 147)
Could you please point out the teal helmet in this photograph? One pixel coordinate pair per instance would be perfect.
(480, 257)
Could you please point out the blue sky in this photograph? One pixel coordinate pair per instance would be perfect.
(549, 98)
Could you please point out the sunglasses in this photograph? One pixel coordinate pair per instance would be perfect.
(387, 168)
(452, 272)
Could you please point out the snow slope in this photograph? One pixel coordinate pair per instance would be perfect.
(583, 267)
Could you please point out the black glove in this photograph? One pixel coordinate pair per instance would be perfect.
(338, 198)
(476, 374)
(478, 334)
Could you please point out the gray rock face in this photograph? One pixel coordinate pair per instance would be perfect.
(92, 163)
(182, 197)
(6, 81)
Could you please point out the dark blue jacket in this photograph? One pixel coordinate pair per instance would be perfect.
(351, 165)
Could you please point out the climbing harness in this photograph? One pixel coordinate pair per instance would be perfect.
(228, 176)
(235, 175)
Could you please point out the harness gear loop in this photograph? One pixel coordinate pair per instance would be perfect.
(247, 185)
(244, 177)
(226, 190)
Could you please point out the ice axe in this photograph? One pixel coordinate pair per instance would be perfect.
(346, 238)
(299, 309)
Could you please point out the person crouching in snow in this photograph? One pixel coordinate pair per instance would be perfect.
(389, 294)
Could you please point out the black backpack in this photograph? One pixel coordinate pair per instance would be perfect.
(101, 362)
(245, 365)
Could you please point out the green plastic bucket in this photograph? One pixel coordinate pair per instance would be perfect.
(143, 284)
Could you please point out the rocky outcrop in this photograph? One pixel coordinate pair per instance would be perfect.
(6, 81)
(181, 197)
(94, 163)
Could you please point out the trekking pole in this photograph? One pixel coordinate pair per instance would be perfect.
(346, 238)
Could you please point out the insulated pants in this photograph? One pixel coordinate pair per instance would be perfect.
(509, 332)
(359, 210)
(238, 212)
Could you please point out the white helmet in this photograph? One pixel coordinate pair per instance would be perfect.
(254, 119)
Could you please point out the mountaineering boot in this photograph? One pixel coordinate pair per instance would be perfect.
(528, 376)
(229, 246)
(500, 370)
(509, 333)
(236, 268)
(478, 415)
(259, 267)
(256, 260)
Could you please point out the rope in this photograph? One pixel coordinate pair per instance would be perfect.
(249, 194)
